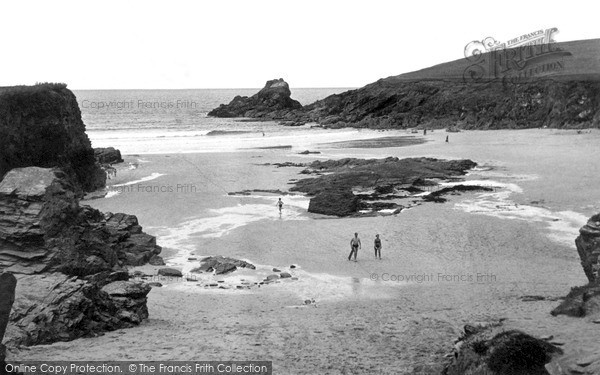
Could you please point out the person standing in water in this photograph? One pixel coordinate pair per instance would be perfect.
(354, 246)
(279, 204)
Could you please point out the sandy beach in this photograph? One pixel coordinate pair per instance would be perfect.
(471, 259)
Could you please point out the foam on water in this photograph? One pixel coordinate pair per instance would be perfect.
(153, 176)
(563, 226)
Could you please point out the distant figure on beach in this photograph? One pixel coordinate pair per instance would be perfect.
(354, 246)
(424, 131)
(446, 139)
(263, 134)
(279, 204)
(377, 246)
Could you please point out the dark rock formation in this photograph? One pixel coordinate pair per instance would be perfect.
(8, 284)
(107, 155)
(448, 96)
(55, 307)
(272, 102)
(41, 126)
(43, 229)
(489, 350)
(221, 265)
(437, 196)
(333, 192)
(334, 203)
(588, 247)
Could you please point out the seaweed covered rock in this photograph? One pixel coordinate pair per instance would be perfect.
(41, 126)
(272, 102)
(487, 349)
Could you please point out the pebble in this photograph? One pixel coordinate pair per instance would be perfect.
(292, 266)
(276, 270)
(155, 284)
(285, 275)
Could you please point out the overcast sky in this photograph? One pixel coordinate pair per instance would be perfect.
(242, 43)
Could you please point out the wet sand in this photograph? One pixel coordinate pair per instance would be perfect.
(444, 265)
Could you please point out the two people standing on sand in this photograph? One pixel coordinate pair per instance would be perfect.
(355, 245)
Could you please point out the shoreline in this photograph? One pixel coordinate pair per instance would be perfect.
(419, 241)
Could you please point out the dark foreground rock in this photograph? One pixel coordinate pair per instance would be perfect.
(56, 307)
(41, 126)
(221, 265)
(44, 229)
(107, 155)
(582, 301)
(487, 349)
(272, 102)
(8, 284)
(333, 190)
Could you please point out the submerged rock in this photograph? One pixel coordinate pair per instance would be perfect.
(272, 102)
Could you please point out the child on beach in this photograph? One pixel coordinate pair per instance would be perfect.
(279, 204)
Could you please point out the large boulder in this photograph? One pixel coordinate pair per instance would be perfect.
(44, 229)
(272, 102)
(56, 307)
(107, 155)
(41, 126)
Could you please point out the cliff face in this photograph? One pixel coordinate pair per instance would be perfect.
(43, 229)
(391, 103)
(272, 102)
(41, 126)
(70, 260)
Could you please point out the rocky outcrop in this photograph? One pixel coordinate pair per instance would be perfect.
(333, 191)
(487, 349)
(56, 307)
(584, 301)
(588, 248)
(221, 265)
(44, 229)
(8, 284)
(107, 155)
(449, 96)
(41, 126)
(272, 102)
